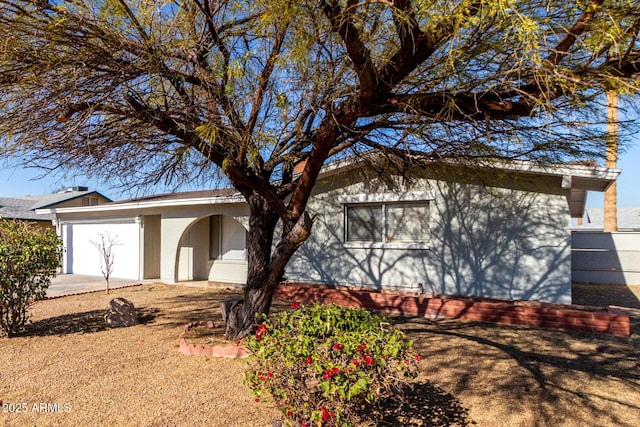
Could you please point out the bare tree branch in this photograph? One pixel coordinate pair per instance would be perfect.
(342, 24)
(562, 48)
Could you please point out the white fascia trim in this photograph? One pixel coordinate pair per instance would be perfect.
(145, 205)
(524, 166)
(578, 171)
(581, 171)
(112, 220)
(386, 197)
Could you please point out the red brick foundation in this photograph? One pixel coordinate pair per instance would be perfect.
(527, 313)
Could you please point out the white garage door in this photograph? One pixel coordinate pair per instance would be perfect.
(82, 257)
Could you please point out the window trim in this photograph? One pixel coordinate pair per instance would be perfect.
(383, 200)
(380, 198)
(221, 230)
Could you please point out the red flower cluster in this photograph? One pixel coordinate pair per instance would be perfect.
(264, 377)
(261, 332)
(326, 414)
(295, 305)
(309, 360)
(338, 347)
(368, 360)
(331, 372)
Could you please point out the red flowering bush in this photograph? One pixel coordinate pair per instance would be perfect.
(324, 364)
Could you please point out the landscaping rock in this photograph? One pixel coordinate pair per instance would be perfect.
(120, 312)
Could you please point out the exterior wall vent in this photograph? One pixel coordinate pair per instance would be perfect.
(77, 188)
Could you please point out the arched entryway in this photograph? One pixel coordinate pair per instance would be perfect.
(213, 248)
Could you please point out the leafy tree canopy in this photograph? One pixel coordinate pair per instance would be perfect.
(173, 90)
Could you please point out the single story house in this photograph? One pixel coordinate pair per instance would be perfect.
(24, 208)
(499, 231)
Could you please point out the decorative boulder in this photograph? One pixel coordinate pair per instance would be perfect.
(120, 312)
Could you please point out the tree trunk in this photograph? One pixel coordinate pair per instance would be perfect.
(266, 266)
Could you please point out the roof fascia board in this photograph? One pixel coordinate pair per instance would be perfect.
(523, 166)
(102, 220)
(581, 171)
(144, 205)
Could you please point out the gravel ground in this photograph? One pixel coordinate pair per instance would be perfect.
(68, 369)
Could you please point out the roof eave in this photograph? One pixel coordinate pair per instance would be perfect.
(144, 205)
(589, 178)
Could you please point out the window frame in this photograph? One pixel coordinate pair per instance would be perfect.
(216, 240)
(384, 200)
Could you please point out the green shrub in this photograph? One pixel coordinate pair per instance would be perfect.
(324, 365)
(29, 257)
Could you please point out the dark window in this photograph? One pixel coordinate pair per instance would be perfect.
(397, 222)
(214, 237)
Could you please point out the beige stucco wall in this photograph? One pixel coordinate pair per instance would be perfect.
(493, 235)
(185, 242)
(178, 235)
(509, 241)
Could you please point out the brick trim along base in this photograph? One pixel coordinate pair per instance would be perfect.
(527, 313)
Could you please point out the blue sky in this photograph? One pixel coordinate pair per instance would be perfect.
(628, 181)
(15, 182)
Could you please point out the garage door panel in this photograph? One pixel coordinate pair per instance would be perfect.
(83, 257)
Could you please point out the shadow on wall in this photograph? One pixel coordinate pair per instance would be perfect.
(323, 258)
(490, 242)
(500, 243)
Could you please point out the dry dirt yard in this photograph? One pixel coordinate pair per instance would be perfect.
(68, 369)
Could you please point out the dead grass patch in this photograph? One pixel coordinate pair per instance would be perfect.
(471, 373)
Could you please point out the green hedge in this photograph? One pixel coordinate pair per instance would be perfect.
(29, 257)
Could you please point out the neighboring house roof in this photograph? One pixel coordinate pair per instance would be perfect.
(577, 178)
(628, 219)
(24, 208)
(16, 208)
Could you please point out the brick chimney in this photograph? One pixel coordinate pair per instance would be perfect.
(297, 169)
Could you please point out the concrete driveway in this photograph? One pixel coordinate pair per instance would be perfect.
(69, 284)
